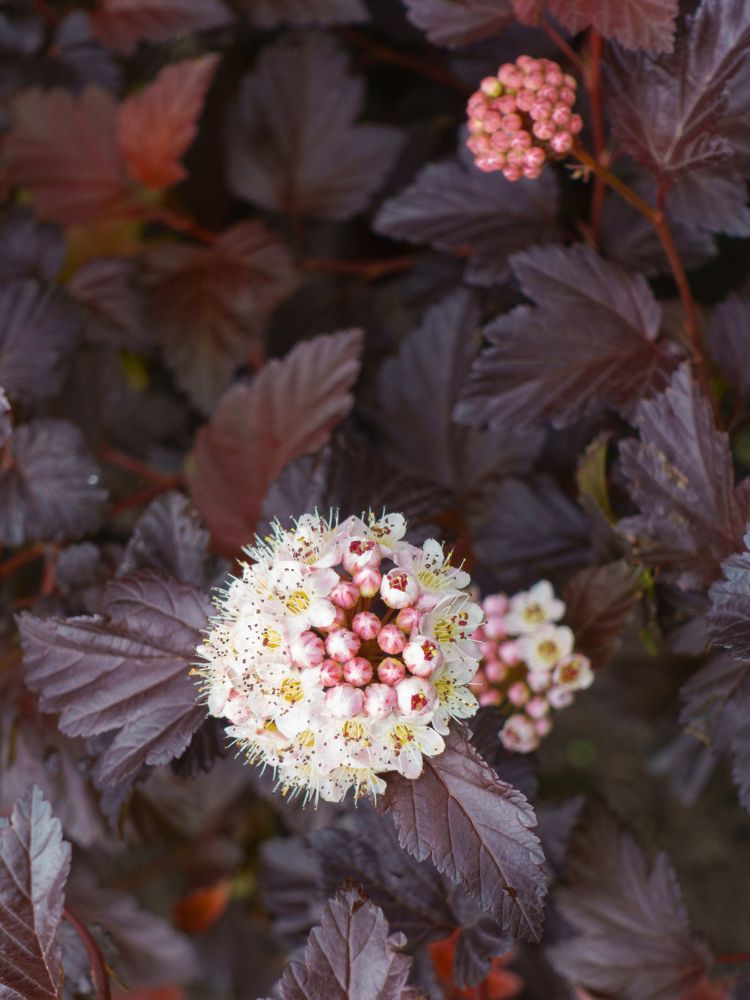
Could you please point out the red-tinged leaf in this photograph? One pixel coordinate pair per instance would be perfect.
(729, 338)
(455, 207)
(288, 410)
(292, 142)
(273, 13)
(114, 303)
(63, 149)
(476, 830)
(34, 865)
(599, 601)
(636, 24)
(631, 938)
(350, 955)
(125, 675)
(459, 22)
(122, 24)
(209, 304)
(711, 201)
(38, 329)
(156, 126)
(589, 345)
(681, 477)
(668, 113)
(49, 487)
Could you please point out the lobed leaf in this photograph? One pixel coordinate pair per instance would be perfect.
(289, 410)
(273, 13)
(34, 865)
(114, 303)
(29, 249)
(122, 24)
(476, 830)
(599, 601)
(459, 22)
(636, 24)
(729, 339)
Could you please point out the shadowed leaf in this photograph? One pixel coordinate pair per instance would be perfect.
(272, 13)
(599, 600)
(636, 24)
(459, 22)
(121, 24)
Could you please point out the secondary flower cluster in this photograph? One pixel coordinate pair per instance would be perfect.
(342, 653)
(522, 117)
(528, 663)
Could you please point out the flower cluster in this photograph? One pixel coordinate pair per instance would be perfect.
(522, 117)
(342, 652)
(529, 663)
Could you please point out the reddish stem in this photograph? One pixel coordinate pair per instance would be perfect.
(98, 966)
(563, 46)
(180, 223)
(46, 11)
(597, 128)
(112, 456)
(37, 551)
(146, 495)
(737, 958)
(370, 270)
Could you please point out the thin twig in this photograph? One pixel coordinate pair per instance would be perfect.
(594, 79)
(142, 497)
(112, 456)
(563, 46)
(37, 551)
(180, 223)
(738, 958)
(98, 966)
(370, 270)
(613, 181)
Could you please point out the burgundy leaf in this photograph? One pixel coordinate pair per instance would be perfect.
(209, 303)
(125, 675)
(476, 830)
(81, 55)
(38, 329)
(680, 475)
(272, 13)
(288, 410)
(459, 22)
(668, 112)
(729, 617)
(122, 24)
(636, 24)
(589, 345)
(599, 601)
(710, 201)
(6, 427)
(292, 141)
(156, 126)
(49, 487)
(729, 338)
(350, 955)
(457, 208)
(64, 150)
(29, 249)
(34, 865)
(114, 303)
(631, 935)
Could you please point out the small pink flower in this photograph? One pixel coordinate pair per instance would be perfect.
(366, 625)
(510, 653)
(368, 580)
(408, 619)
(495, 604)
(490, 697)
(519, 734)
(344, 701)
(391, 671)
(342, 645)
(495, 671)
(391, 639)
(399, 589)
(415, 696)
(422, 656)
(345, 594)
(537, 707)
(543, 725)
(560, 697)
(361, 553)
(380, 700)
(331, 673)
(358, 671)
(518, 693)
(308, 650)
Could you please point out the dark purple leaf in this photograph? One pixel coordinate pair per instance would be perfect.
(589, 345)
(288, 410)
(729, 338)
(320, 163)
(37, 331)
(457, 208)
(169, 537)
(273, 13)
(710, 201)
(122, 24)
(459, 22)
(290, 885)
(350, 955)
(209, 304)
(114, 303)
(79, 52)
(636, 24)
(680, 476)
(418, 390)
(476, 830)
(599, 601)
(34, 865)
(687, 764)
(667, 111)
(125, 675)
(49, 487)
(6, 424)
(556, 825)
(513, 768)
(631, 933)
(729, 614)
(29, 249)
(81, 572)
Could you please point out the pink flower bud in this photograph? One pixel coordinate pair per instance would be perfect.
(575, 124)
(543, 130)
(380, 700)
(521, 141)
(512, 123)
(495, 671)
(506, 105)
(342, 645)
(534, 157)
(519, 733)
(399, 588)
(501, 142)
(331, 673)
(561, 142)
(510, 653)
(537, 707)
(570, 82)
(543, 725)
(561, 114)
(358, 671)
(490, 697)
(391, 671)
(344, 701)
(368, 580)
(487, 648)
(345, 594)
(407, 620)
(531, 172)
(538, 680)
(391, 639)
(568, 96)
(422, 656)
(415, 696)
(366, 625)
(518, 693)
(339, 619)
(495, 604)
(511, 173)
(560, 697)
(509, 76)
(491, 86)
(554, 77)
(361, 553)
(308, 650)
(525, 99)
(541, 111)
(547, 93)
(492, 121)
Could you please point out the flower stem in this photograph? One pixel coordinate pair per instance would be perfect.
(112, 456)
(563, 46)
(180, 223)
(98, 967)
(594, 77)
(370, 270)
(740, 957)
(37, 551)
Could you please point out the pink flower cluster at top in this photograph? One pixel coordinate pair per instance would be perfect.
(523, 117)
(342, 652)
(529, 663)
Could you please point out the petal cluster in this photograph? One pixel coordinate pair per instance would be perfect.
(529, 663)
(523, 117)
(341, 653)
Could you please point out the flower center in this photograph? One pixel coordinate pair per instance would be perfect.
(291, 690)
(298, 601)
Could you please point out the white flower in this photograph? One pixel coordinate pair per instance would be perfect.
(519, 733)
(452, 624)
(574, 672)
(545, 647)
(432, 568)
(532, 608)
